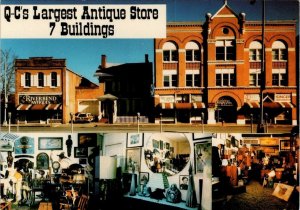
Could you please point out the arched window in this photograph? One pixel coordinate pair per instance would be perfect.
(170, 52)
(192, 52)
(255, 50)
(27, 79)
(53, 79)
(41, 79)
(279, 51)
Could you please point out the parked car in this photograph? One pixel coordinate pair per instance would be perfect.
(84, 118)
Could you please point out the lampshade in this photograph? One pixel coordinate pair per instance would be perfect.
(224, 162)
(108, 167)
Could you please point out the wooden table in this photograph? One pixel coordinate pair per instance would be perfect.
(45, 206)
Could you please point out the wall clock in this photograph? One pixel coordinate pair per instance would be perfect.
(55, 166)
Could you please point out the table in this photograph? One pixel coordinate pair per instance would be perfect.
(45, 206)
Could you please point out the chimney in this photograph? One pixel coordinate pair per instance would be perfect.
(146, 58)
(103, 61)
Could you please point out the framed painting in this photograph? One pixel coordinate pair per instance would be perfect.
(285, 145)
(6, 145)
(183, 182)
(135, 140)
(133, 155)
(80, 152)
(87, 139)
(202, 156)
(42, 161)
(24, 145)
(50, 143)
(155, 143)
(144, 178)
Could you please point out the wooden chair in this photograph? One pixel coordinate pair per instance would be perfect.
(82, 204)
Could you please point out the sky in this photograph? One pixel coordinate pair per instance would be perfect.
(83, 56)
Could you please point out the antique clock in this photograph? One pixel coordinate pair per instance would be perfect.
(55, 166)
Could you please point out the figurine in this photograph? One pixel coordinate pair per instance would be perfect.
(173, 194)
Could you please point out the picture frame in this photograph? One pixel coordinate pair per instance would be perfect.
(144, 178)
(87, 139)
(133, 154)
(167, 145)
(80, 152)
(155, 144)
(285, 145)
(6, 145)
(161, 145)
(42, 161)
(183, 182)
(135, 140)
(24, 145)
(202, 153)
(50, 143)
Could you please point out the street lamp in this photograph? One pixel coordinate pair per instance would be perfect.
(9, 120)
(202, 121)
(251, 120)
(160, 122)
(72, 116)
(260, 127)
(138, 122)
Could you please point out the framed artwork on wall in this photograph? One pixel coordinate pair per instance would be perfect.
(144, 178)
(183, 182)
(50, 143)
(42, 161)
(133, 155)
(6, 146)
(87, 139)
(285, 145)
(202, 152)
(135, 140)
(24, 145)
(80, 152)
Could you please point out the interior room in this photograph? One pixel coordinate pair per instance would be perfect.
(101, 170)
(252, 171)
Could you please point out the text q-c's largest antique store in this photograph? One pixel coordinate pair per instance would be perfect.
(212, 68)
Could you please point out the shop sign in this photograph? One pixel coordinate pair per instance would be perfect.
(268, 141)
(282, 97)
(251, 97)
(224, 102)
(167, 99)
(40, 99)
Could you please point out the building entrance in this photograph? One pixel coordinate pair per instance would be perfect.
(226, 110)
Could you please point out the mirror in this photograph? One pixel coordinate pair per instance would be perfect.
(167, 152)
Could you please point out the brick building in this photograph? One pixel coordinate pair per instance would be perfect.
(47, 91)
(213, 69)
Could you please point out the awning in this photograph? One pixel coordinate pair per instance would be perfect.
(272, 105)
(167, 105)
(183, 105)
(108, 97)
(198, 105)
(38, 107)
(23, 107)
(53, 107)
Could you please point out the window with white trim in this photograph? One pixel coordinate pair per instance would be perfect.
(192, 78)
(41, 79)
(255, 77)
(279, 51)
(53, 79)
(225, 50)
(279, 77)
(170, 78)
(27, 79)
(255, 51)
(170, 52)
(225, 77)
(192, 52)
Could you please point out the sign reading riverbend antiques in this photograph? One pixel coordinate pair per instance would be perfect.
(40, 99)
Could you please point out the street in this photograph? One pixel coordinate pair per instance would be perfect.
(133, 127)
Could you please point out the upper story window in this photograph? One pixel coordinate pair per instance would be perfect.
(255, 77)
(192, 52)
(225, 50)
(255, 51)
(170, 78)
(27, 79)
(279, 51)
(279, 77)
(41, 79)
(225, 77)
(170, 52)
(53, 79)
(192, 78)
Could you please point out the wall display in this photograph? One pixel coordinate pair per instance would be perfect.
(135, 139)
(24, 145)
(285, 145)
(80, 152)
(183, 182)
(87, 139)
(50, 143)
(6, 145)
(42, 161)
(202, 153)
(133, 155)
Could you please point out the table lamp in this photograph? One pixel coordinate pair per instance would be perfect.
(108, 171)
